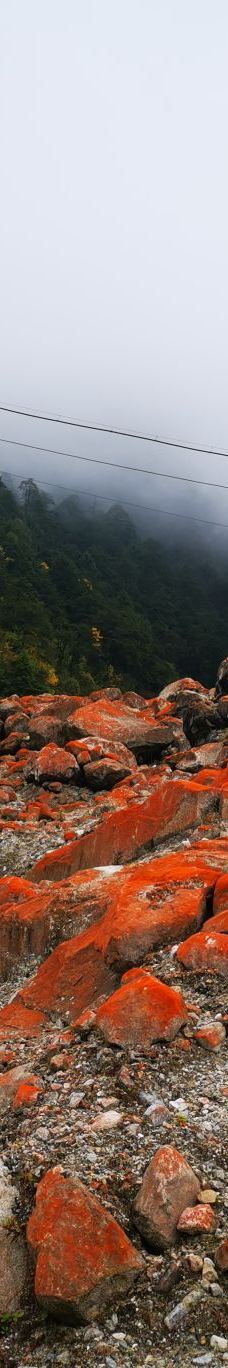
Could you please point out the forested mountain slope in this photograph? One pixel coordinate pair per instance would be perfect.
(85, 601)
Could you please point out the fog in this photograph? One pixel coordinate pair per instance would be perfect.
(113, 246)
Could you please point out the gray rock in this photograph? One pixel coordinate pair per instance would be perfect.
(13, 1271)
(183, 1309)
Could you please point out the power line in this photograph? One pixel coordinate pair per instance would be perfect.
(116, 465)
(126, 503)
(114, 432)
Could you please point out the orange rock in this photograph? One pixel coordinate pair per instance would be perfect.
(197, 1218)
(73, 977)
(85, 1022)
(141, 1011)
(168, 1185)
(84, 1260)
(218, 923)
(216, 779)
(220, 900)
(117, 722)
(90, 749)
(205, 952)
(53, 763)
(211, 1036)
(15, 1019)
(172, 808)
(61, 1061)
(25, 926)
(181, 1044)
(27, 1093)
(15, 1084)
(142, 917)
(26, 922)
(14, 889)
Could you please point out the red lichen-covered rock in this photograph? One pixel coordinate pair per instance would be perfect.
(211, 1036)
(53, 762)
(209, 755)
(133, 909)
(180, 686)
(205, 952)
(11, 744)
(29, 914)
(214, 779)
(91, 748)
(168, 1186)
(9, 1082)
(60, 1062)
(221, 1257)
(220, 900)
(13, 889)
(27, 1093)
(15, 1019)
(116, 721)
(84, 1260)
(74, 976)
(136, 823)
(143, 916)
(218, 923)
(25, 927)
(141, 1011)
(197, 1218)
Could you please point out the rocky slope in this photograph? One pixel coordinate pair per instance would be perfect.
(113, 1028)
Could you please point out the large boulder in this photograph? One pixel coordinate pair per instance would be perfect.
(137, 728)
(206, 952)
(74, 976)
(84, 1260)
(155, 809)
(53, 762)
(141, 1011)
(169, 1186)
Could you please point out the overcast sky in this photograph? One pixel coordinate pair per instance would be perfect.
(114, 230)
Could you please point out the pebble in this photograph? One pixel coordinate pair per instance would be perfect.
(195, 1263)
(208, 1195)
(156, 1113)
(216, 1290)
(75, 1099)
(203, 1360)
(179, 1104)
(106, 1120)
(182, 1309)
(209, 1271)
(119, 1336)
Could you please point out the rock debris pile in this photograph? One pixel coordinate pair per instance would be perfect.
(113, 1028)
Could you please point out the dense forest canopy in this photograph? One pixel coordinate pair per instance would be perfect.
(86, 602)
